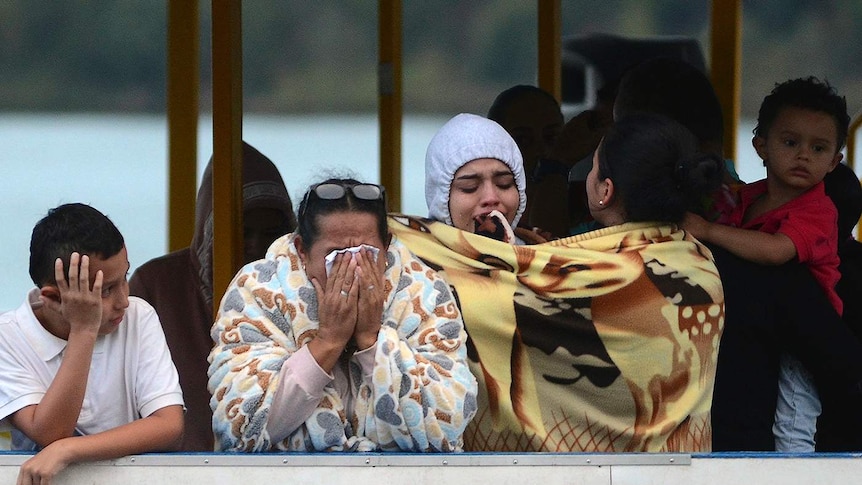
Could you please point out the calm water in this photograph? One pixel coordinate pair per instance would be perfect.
(117, 163)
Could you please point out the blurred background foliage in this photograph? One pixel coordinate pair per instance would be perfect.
(303, 57)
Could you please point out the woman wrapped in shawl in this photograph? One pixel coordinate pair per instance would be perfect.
(340, 340)
(606, 341)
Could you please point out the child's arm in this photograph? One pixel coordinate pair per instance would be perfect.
(160, 431)
(755, 246)
(56, 415)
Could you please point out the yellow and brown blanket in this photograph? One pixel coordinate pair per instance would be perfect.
(605, 342)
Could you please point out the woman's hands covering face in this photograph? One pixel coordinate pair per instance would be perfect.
(337, 302)
(350, 303)
(369, 277)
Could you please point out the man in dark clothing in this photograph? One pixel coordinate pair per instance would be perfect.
(769, 310)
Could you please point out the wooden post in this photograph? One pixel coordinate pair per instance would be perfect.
(389, 109)
(227, 143)
(550, 46)
(725, 54)
(182, 92)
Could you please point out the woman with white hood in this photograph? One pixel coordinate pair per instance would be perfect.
(474, 179)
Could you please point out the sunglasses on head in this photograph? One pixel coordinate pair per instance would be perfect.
(335, 191)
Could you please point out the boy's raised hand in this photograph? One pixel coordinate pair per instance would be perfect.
(80, 309)
(79, 305)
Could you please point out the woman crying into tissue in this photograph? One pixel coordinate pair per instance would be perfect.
(340, 340)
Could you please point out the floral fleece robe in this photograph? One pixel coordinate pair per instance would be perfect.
(421, 395)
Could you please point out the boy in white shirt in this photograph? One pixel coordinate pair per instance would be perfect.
(86, 371)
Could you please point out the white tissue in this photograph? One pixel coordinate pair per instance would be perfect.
(330, 258)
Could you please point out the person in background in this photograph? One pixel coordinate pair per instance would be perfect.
(86, 372)
(674, 88)
(839, 427)
(340, 340)
(582, 134)
(801, 128)
(179, 284)
(602, 342)
(549, 148)
(533, 118)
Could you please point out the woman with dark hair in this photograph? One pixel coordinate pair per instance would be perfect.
(649, 169)
(605, 341)
(340, 340)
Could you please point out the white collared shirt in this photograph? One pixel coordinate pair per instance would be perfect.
(131, 373)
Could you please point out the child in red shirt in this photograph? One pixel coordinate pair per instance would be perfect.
(801, 128)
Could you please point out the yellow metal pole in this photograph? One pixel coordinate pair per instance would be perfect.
(851, 140)
(182, 92)
(550, 45)
(389, 109)
(726, 54)
(851, 153)
(227, 143)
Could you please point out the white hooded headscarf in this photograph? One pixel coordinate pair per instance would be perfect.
(465, 138)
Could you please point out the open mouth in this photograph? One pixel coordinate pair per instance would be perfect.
(494, 225)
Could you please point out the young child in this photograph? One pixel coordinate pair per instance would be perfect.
(86, 371)
(801, 129)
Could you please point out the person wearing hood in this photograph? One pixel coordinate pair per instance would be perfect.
(474, 178)
(179, 284)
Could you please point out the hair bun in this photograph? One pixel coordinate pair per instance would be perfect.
(699, 172)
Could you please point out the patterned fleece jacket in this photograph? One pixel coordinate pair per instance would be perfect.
(421, 394)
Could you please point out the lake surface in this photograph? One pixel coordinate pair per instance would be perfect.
(117, 163)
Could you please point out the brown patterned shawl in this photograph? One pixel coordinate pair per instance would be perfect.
(601, 342)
